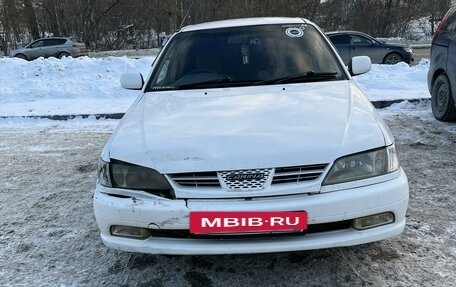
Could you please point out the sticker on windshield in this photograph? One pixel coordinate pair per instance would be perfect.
(294, 32)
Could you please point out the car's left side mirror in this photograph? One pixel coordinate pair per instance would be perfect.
(359, 65)
(132, 81)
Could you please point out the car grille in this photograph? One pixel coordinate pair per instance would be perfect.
(249, 179)
(198, 179)
(298, 173)
(243, 180)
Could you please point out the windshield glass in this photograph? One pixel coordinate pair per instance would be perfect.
(245, 56)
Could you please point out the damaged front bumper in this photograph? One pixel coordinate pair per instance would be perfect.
(168, 220)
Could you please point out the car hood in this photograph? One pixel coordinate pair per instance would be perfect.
(246, 128)
(394, 45)
(15, 51)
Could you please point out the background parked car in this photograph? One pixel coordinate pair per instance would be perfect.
(442, 70)
(351, 44)
(51, 47)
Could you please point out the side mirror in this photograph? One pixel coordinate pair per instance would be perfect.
(132, 81)
(360, 65)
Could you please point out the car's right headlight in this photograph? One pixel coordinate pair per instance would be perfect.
(118, 174)
(103, 175)
(363, 165)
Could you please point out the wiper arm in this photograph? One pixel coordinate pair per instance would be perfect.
(309, 76)
(215, 82)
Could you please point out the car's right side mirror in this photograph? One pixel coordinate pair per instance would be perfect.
(132, 81)
(359, 65)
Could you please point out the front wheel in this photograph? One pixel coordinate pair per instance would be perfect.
(442, 101)
(392, 58)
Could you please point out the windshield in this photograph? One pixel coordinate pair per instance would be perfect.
(245, 56)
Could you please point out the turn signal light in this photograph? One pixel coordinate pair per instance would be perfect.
(130, 232)
(373, 221)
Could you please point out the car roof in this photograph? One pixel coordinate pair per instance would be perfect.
(47, 38)
(345, 32)
(244, 22)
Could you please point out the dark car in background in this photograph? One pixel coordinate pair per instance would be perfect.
(442, 69)
(350, 44)
(51, 47)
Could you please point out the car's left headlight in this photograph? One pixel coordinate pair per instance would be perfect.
(363, 165)
(118, 174)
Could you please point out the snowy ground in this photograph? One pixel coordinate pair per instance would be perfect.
(49, 237)
(91, 85)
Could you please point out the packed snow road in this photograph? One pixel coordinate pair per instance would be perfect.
(48, 234)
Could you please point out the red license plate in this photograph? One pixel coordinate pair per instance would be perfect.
(247, 222)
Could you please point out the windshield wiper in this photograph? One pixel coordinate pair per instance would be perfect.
(309, 76)
(221, 82)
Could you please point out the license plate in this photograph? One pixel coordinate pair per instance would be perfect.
(232, 222)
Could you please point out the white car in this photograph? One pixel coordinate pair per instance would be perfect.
(249, 136)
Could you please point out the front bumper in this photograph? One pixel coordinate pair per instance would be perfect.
(409, 58)
(163, 214)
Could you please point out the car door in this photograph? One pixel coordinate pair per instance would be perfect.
(35, 49)
(363, 46)
(49, 45)
(54, 47)
(450, 33)
(342, 43)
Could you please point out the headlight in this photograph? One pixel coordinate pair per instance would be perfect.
(119, 174)
(363, 165)
(408, 50)
(103, 173)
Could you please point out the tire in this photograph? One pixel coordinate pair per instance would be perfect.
(392, 58)
(21, 56)
(442, 101)
(63, 54)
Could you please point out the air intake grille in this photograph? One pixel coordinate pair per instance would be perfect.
(297, 174)
(197, 179)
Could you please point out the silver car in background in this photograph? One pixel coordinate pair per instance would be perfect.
(51, 47)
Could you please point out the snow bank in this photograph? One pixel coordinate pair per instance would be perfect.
(393, 82)
(78, 123)
(91, 85)
(66, 86)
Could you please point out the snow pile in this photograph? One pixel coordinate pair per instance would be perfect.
(91, 85)
(393, 82)
(66, 86)
(42, 125)
(420, 109)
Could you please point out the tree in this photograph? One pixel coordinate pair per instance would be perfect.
(116, 24)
